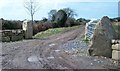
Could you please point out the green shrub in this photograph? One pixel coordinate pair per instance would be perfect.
(41, 26)
(9, 24)
(70, 22)
(60, 18)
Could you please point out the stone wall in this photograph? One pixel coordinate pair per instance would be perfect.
(15, 35)
(11, 35)
(116, 52)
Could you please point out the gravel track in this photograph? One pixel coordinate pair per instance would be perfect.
(62, 51)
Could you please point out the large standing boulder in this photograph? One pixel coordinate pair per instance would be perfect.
(102, 36)
(60, 18)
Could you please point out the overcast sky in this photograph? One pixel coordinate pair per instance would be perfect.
(14, 9)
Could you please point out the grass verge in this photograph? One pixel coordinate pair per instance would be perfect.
(53, 31)
(116, 26)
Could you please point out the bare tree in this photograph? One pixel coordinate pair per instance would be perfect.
(32, 6)
(70, 12)
(51, 14)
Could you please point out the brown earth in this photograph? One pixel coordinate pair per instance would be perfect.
(50, 54)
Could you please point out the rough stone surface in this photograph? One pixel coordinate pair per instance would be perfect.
(76, 47)
(5, 39)
(115, 42)
(116, 55)
(116, 47)
(11, 35)
(116, 52)
(101, 41)
(27, 27)
(17, 37)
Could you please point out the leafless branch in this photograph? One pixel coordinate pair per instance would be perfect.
(32, 6)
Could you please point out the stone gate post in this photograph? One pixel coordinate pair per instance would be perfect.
(28, 29)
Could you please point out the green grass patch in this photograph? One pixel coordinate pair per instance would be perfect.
(53, 31)
(116, 26)
(85, 40)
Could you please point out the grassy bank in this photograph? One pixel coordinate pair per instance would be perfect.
(54, 31)
(116, 26)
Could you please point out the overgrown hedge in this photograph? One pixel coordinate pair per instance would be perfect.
(39, 25)
(11, 24)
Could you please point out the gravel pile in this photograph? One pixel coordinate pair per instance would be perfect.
(75, 44)
(76, 47)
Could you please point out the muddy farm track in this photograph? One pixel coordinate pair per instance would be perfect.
(55, 52)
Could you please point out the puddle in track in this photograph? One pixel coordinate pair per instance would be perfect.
(51, 57)
(34, 59)
(52, 44)
(57, 50)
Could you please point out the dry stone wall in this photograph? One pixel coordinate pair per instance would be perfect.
(116, 52)
(15, 35)
(12, 35)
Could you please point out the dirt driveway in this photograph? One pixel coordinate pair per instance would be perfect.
(55, 52)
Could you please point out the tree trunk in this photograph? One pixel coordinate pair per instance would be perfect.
(32, 19)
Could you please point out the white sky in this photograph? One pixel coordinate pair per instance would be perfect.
(15, 7)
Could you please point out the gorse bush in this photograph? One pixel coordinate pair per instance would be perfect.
(70, 22)
(9, 25)
(41, 26)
